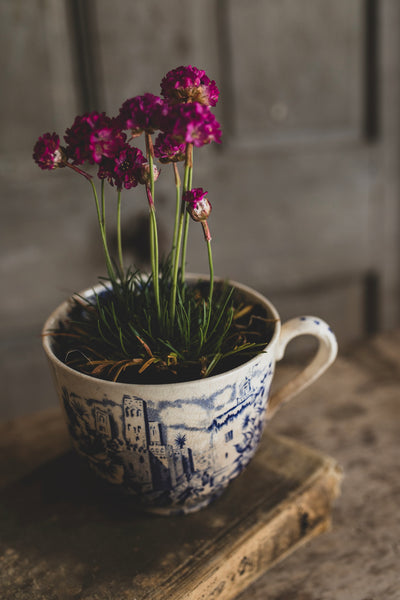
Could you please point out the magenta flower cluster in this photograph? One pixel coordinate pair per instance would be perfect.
(167, 150)
(141, 113)
(189, 84)
(182, 115)
(182, 119)
(47, 153)
(125, 168)
(192, 123)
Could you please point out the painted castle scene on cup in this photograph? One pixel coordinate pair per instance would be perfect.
(156, 454)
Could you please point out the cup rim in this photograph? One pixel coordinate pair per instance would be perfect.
(56, 315)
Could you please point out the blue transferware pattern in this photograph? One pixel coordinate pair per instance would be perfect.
(176, 447)
(172, 462)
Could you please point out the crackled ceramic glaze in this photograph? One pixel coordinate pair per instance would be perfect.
(177, 446)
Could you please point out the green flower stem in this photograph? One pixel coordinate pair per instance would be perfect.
(184, 245)
(119, 236)
(154, 259)
(176, 242)
(177, 210)
(211, 290)
(150, 159)
(154, 252)
(175, 266)
(100, 216)
(211, 269)
(103, 206)
(109, 265)
(187, 186)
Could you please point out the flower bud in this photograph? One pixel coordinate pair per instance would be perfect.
(200, 211)
(145, 173)
(198, 205)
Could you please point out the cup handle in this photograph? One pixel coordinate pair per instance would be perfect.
(326, 354)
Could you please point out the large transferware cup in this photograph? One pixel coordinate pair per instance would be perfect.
(176, 447)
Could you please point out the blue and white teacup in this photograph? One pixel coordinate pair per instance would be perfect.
(177, 446)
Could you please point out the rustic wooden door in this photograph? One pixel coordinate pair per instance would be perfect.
(301, 183)
(305, 187)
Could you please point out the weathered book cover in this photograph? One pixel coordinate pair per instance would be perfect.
(65, 536)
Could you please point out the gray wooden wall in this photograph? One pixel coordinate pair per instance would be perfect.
(305, 188)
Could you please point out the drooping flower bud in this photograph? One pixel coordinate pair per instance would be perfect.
(144, 176)
(198, 205)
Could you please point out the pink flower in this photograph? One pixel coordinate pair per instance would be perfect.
(192, 123)
(167, 150)
(80, 146)
(47, 152)
(105, 143)
(189, 84)
(124, 169)
(198, 205)
(141, 113)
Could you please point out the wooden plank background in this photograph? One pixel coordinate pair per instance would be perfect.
(305, 188)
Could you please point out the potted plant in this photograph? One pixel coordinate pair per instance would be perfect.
(164, 378)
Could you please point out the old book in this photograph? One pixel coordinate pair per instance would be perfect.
(64, 535)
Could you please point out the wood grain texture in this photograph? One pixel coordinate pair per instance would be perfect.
(65, 535)
(296, 76)
(311, 214)
(351, 413)
(36, 78)
(139, 43)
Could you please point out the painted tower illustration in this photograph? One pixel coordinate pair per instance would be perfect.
(137, 439)
(102, 422)
(161, 465)
(163, 475)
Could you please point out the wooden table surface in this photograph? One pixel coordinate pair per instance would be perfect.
(353, 414)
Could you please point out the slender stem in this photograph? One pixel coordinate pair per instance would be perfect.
(119, 235)
(184, 245)
(154, 259)
(211, 269)
(109, 265)
(175, 245)
(78, 170)
(150, 159)
(151, 231)
(190, 171)
(211, 290)
(187, 186)
(100, 215)
(103, 206)
(177, 209)
(175, 266)
(154, 251)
